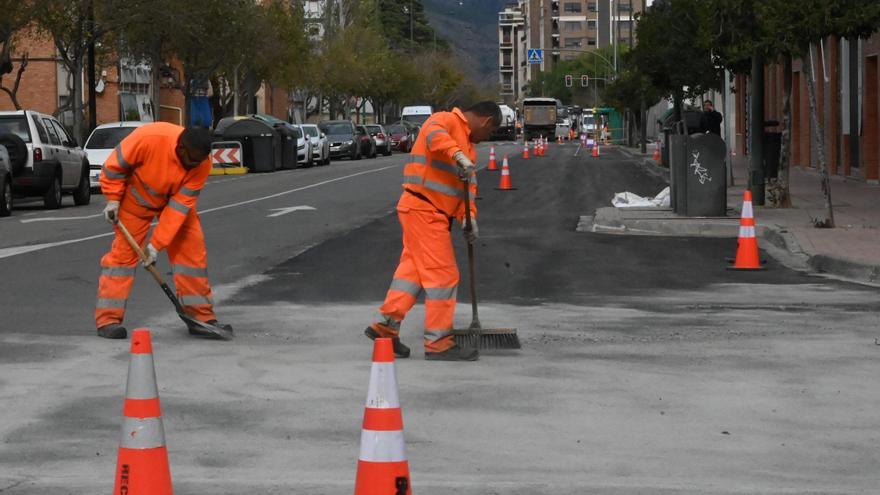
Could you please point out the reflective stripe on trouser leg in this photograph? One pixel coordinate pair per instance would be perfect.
(117, 271)
(189, 264)
(426, 236)
(402, 293)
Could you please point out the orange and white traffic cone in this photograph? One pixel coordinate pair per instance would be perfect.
(505, 184)
(539, 148)
(595, 150)
(492, 164)
(142, 466)
(526, 151)
(382, 465)
(747, 257)
(656, 156)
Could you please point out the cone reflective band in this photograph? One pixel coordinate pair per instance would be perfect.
(492, 164)
(142, 465)
(747, 255)
(382, 465)
(596, 150)
(505, 184)
(526, 151)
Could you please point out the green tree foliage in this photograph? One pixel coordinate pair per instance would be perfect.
(675, 49)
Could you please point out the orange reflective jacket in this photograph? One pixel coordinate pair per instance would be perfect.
(430, 177)
(145, 174)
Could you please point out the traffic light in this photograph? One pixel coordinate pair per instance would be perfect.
(585, 81)
(567, 80)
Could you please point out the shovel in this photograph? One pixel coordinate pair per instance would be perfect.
(192, 323)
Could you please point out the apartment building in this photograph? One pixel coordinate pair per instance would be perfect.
(563, 29)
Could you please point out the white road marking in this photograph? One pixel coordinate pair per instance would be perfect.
(291, 209)
(60, 219)
(17, 250)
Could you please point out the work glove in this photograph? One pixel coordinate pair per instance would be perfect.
(111, 212)
(471, 234)
(466, 167)
(151, 253)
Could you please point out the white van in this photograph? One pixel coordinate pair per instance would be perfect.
(416, 114)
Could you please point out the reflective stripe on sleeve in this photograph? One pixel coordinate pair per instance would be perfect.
(412, 179)
(190, 192)
(382, 446)
(113, 175)
(403, 285)
(444, 189)
(184, 210)
(121, 159)
(142, 433)
(440, 293)
(418, 158)
(141, 200)
(432, 133)
(439, 165)
(190, 271)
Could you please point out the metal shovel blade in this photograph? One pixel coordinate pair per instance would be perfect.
(204, 329)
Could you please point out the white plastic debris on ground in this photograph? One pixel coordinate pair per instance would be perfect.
(630, 200)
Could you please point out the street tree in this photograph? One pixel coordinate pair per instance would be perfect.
(17, 15)
(675, 49)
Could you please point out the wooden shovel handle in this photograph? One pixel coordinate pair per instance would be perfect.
(140, 252)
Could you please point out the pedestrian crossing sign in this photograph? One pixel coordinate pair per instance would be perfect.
(536, 56)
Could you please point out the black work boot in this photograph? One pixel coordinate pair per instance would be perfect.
(454, 353)
(200, 332)
(400, 350)
(113, 331)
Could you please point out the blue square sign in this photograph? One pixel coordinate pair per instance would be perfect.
(535, 55)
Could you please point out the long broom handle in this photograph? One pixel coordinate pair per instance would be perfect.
(475, 321)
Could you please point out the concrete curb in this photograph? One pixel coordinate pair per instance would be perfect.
(845, 268)
(647, 164)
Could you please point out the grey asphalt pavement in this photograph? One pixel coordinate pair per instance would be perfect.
(646, 367)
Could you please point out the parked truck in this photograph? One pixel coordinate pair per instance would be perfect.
(507, 129)
(539, 117)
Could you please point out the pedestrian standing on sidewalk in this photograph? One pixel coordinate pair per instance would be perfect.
(440, 171)
(710, 121)
(157, 171)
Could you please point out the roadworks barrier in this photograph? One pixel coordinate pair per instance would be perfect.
(383, 468)
(227, 158)
(142, 463)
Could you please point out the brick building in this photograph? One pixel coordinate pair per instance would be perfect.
(835, 102)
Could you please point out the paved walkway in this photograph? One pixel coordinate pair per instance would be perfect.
(850, 250)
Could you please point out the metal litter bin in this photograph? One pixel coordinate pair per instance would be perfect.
(699, 175)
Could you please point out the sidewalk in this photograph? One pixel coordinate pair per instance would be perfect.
(852, 250)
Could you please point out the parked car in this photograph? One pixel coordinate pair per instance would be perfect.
(5, 183)
(320, 144)
(383, 142)
(368, 143)
(344, 141)
(303, 146)
(401, 136)
(45, 160)
(101, 143)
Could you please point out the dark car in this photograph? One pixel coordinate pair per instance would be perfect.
(368, 143)
(343, 138)
(383, 143)
(401, 137)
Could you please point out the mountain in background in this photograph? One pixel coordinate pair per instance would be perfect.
(471, 29)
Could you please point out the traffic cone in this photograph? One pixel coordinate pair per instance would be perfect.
(656, 156)
(747, 257)
(382, 465)
(142, 465)
(492, 164)
(596, 149)
(539, 148)
(504, 184)
(526, 151)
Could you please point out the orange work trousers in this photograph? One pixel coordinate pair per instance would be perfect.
(189, 264)
(427, 265)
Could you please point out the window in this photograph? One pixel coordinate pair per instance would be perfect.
(44, 138)
(53, 135)
(591, 41)
(591, 7)
(591, 24)
(624, 7)
(570, 7)
(15, 125)
(108, 138)
(574, 42)
(62, 133)
(571, 26)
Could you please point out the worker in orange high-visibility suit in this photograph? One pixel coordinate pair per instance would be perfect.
(157, 171)
(439, 172)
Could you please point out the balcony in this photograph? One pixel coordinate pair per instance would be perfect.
(506, 68)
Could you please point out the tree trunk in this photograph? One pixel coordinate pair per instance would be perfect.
(782, 188)
(155, 85)
(643, 126)
(13, 93)
(820, 141)
(756, 132)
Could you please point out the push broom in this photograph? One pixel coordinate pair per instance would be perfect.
(214, 331)
(475, 336)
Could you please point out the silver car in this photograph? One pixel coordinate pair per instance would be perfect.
(383, 139)
(320, 143)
